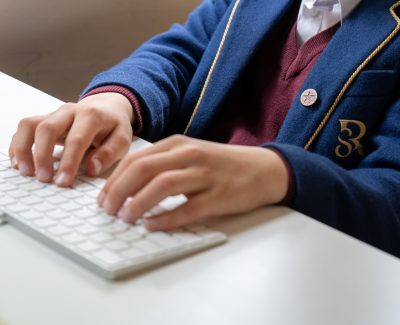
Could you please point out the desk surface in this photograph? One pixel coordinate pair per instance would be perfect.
(278, 267)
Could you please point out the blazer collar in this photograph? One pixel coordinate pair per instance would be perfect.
(252, 21)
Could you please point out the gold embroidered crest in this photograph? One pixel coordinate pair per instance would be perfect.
(351, 133)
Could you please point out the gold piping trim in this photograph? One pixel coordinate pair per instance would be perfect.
(210, 72)
(354, 75)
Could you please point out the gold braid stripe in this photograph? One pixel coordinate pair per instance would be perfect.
(210, 72)
(354, 75)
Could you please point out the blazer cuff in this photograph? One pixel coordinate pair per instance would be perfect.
(289, 197)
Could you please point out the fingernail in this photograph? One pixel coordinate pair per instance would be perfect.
(43, 175)
(151, 224)
(14, 162)
(97, 166)
(64, 179)
(107, 206)
(24, 169)
(125, 214)
(100, 198)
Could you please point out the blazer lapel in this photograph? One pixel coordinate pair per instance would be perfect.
(250, 24)
(366, 29)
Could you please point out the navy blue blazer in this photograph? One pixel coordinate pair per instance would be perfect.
(344, 150)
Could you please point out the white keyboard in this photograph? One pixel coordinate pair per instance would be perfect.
(70, 221)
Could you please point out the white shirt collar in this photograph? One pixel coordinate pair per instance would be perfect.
(316, 16)
(346, 6)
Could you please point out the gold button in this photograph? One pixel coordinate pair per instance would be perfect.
(309, 97)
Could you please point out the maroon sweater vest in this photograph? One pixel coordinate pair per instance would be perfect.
(257, 107)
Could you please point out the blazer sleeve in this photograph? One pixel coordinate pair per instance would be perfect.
(363, 202)
(159, 71)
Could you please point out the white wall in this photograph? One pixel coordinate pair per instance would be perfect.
(58, 45)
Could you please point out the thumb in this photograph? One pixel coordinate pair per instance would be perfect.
(110, 151)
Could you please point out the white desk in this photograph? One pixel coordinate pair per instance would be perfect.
(279, 267)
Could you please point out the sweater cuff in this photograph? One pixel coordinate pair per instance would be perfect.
(289, 197)
(137, 124)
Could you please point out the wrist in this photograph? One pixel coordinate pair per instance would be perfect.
(110, 100)
(135, 105)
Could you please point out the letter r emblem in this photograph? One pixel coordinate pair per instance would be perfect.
(351, 133)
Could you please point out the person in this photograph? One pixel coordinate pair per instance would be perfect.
(250, 104)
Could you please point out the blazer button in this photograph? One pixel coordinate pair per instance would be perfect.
(309, 97)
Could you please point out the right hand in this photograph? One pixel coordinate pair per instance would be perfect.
(98, 128)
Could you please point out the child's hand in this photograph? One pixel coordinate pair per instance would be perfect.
(99, 126)
(218, 179)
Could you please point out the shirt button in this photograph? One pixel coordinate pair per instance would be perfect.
(309, 97)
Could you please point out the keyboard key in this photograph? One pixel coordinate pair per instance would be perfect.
(140, 229)
(18, 207)
(85, 200)
(117, 245)
(21, 180)
(188, 238)
(57, 199)
(86, 229)
(45, 223)
(101, 220)
(149, 247)
(5, 187)
(101, 237)
(114, 228)
(84, 187)
(31, 215)
(209, 234)
(71, 194)
(134, 254)
(108, 257)
(93, 193)
(59, 230)
(129, 236)
(58, 214)
(74, 238)
(89, 247)
(96, 182)
(83, 213)
(165, 240)
(31, 200)
(70, 206)
(72, 222)
(45, 207)
(9, 173)
(32, 186)
(56, 189)
(44, 192)
(6, 200)
(17, 194)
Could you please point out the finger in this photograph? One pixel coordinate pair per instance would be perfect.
(135, 176)
(78, 141)
(109, 152)
(11, 154)
(169, 183)
(46, 135)
(197, 208)
(159, 147)
(20, 150)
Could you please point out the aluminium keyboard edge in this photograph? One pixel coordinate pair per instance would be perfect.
(92, 266)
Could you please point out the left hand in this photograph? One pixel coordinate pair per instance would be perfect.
(218, 180)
